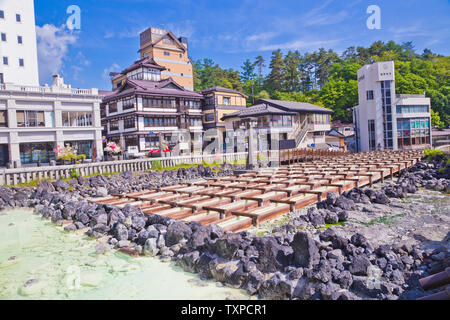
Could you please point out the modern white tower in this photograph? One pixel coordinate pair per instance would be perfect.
(18, 49)
(385, 120)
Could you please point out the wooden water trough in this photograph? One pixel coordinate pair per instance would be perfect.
(238, 202)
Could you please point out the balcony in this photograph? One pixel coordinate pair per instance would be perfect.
(46, 89)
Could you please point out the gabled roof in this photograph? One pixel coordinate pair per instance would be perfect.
(168, 33)
(146, 62)
(221, 89)
(335, 133)
(257, 110)
(299, 107)
(166, 87)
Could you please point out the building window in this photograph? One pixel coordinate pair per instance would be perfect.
(112, 107)
(166, 53)
(19, 40)
(114, 126)
(151, 142)
(3, 119)
(5, 61)
(168, 40)
(195, 122)
(3, 36)
(2, 79)
(2, 14)
(34, 152)
(82, 147)
(160, 122)
(30, 119)
(369, 95)
(158, 103)
(21, 63)
(210, 117)
(412, 109)
(227, 101)
(76, 119)
(18, 18)
(128, 104)
(129, 123)
(372, 142)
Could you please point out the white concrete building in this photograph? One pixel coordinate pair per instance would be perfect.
(18, 51)
(34, 120)
(385, 120)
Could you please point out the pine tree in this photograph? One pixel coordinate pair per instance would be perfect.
(275, 79)
(248, 71)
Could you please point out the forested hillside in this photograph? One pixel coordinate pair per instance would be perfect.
(328, 79)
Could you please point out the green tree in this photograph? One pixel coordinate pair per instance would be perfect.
(274, 81)
(292, 73)
(436, 120)
(248, 71)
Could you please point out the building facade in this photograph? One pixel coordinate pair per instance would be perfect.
(18, 53)
(297, 124)
(35, 120)
(387, 121)
(218, 102)
(171, 52)
(147, 111)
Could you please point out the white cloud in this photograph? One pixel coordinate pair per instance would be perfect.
(113, 68)
(52, 44)
(261, 36)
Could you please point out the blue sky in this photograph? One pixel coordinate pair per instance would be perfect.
(226, 31)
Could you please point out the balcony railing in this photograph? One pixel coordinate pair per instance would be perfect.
(47, 89)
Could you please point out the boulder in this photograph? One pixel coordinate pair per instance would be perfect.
(121, 232)
(359, 265)
(225, 247)
(150, 247)
(344, 203)
(176, 232)
(101, 192)
(188, 261)
(272, 256)
(306, 252)
(44, 186)
(61, 185)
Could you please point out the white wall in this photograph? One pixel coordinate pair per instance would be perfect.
(12, 73)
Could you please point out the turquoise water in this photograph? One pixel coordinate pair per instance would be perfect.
(39, 260)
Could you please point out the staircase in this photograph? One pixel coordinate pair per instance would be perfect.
(300, 132)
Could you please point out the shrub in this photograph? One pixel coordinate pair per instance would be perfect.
(74, 173)
(156, 165)
(431, 153)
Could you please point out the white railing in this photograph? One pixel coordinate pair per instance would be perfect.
(46, 89)
(445, 148)
(301, 132)
(25, 175)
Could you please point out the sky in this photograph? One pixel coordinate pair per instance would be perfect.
(226, 31)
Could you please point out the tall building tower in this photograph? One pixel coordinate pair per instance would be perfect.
(18, 49)
(170, 52)
(385, 120)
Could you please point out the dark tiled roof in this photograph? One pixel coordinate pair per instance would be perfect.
(105, 92)
(146, 62)
(156, 88)
(299, 107)
(335, 133)
(340, 124)
(222, 89)
(257, 110)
